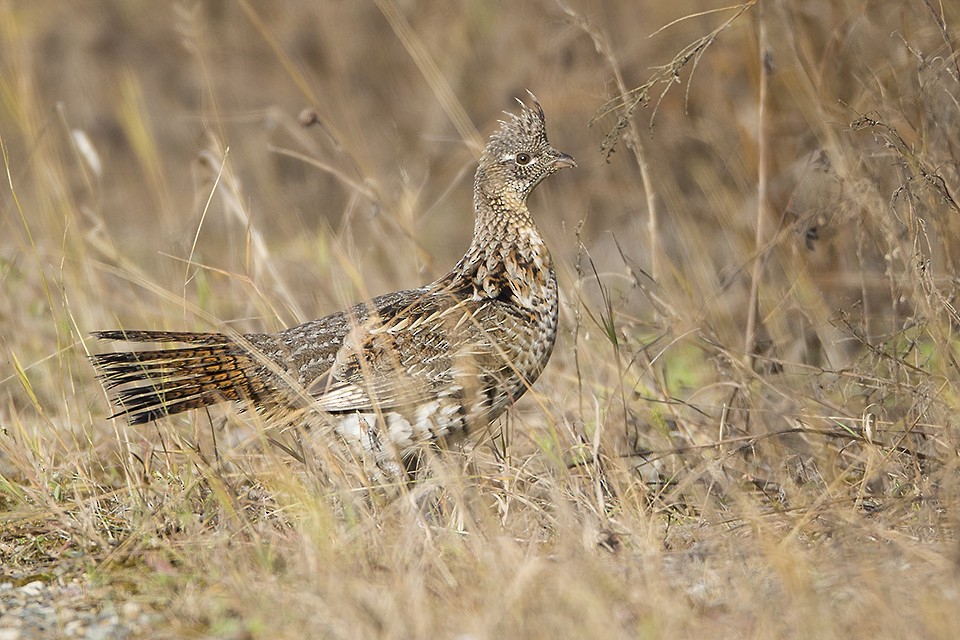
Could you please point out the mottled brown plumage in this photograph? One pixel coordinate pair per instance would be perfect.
(404, 368)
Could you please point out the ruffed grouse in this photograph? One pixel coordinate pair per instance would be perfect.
(404, 368)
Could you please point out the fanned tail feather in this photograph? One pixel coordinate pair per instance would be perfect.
(161, 382)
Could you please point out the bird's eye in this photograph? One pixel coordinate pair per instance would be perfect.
(523, 159)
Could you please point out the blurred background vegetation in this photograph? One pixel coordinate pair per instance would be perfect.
(749, 421)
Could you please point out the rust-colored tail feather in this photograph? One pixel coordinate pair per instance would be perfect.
(167, 381)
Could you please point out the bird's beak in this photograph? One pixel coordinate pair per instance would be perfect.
(563, 161)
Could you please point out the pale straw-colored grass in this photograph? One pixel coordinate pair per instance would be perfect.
(680, 469)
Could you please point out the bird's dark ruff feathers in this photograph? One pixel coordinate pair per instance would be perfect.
(401, 369)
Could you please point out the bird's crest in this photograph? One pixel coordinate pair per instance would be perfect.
(528, 126)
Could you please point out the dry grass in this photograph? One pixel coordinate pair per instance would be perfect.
(663, 480)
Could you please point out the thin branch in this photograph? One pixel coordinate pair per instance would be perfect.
(765, 60)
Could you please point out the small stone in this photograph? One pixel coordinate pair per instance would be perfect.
(74, 629)
(130, 610)
(102, 631)
(34, 588)
(67, 615)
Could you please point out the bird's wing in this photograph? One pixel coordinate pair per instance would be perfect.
(406, 354)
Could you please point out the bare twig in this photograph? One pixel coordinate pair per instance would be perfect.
(653, 218)
(431, 73)
(669, 74)
(750, 337)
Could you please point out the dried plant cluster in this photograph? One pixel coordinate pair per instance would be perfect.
(748, 427)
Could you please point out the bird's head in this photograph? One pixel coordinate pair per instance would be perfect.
(518, 157)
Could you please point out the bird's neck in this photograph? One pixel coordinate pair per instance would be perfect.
(507, 254)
